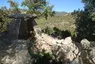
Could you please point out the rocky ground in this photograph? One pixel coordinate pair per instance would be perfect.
(16, 53)
(70, 52)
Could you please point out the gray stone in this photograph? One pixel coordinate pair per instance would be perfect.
(92, 54)
(20, 55)
(85, 44)
(63, 48)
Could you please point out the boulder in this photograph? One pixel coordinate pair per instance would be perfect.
(87, 52)
(92, 55)
(62, 48)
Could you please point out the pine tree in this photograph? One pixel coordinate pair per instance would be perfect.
(90, 7)
(38, 7)
(14, 6)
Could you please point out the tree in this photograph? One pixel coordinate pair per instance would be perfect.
(85, 26)
(38, 7)
(14, 6)
(89, 4)
(90, 7)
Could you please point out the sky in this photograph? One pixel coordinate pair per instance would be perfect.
(59, 5)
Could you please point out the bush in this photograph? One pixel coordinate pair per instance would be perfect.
(45, 58)
(48, 30)
(85, 26)
(55, 32)
(4, 20)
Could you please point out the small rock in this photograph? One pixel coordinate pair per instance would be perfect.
(85, 44)
(9, 51)
(7, 61)
(92, 54)
(68, 40)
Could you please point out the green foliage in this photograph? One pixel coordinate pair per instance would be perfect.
(14, 6)
(45, 58)
(55, 32)
(63, 23)
(3, 19)
(38, 7)
(90, 7)
(34, 5)
(48, 30)
(85, 21)
(85, 26)
(48, 11)
(89, 4)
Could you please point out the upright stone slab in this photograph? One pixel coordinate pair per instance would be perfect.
(13, 29)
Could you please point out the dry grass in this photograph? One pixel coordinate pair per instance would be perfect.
(65, 22)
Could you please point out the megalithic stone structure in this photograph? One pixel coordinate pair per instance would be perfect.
(21, 26)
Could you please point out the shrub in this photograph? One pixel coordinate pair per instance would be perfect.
(45, 58)
(85, 26)
(55, 32)
(48, 30)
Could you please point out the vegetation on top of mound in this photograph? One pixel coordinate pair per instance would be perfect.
(63, 23)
